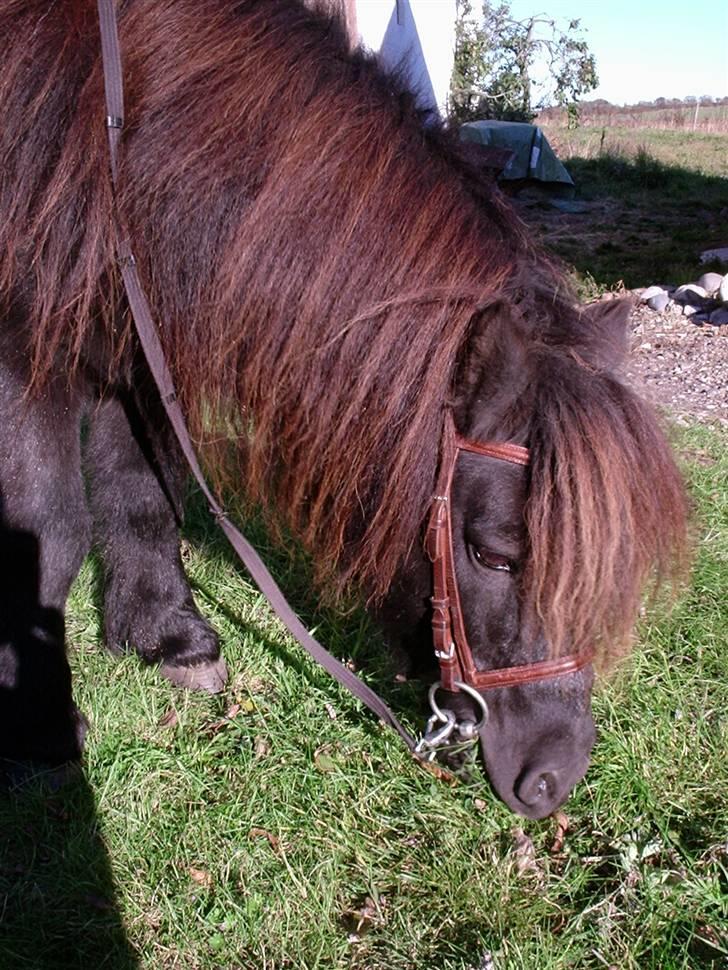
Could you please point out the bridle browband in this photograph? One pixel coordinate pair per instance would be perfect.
(452, 649)
(451, 645)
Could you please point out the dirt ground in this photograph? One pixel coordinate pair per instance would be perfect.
(679, 365)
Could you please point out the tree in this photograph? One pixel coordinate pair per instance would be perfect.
(495, 57)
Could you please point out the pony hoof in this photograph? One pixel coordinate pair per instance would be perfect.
(210, 677)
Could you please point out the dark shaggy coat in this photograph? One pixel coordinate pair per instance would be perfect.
(328, 276)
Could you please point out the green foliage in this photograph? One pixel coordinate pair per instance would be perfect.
(494, 59)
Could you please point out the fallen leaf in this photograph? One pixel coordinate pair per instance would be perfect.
(713, 942)
(325, 763)
(258, 833)
(169, 719)
(365, 915)
(562, 827)
(230, 713)
(524, 852)
(256, 685)
(262, 747)
(442, 774)
(201, 876)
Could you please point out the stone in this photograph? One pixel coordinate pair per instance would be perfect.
(723, 289)
(719, 317)
(646, 295)
(688, 309)
(710, 282)
(690, 293)
(659, 301)
(721, 254)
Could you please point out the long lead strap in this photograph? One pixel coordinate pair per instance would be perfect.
(154, 353)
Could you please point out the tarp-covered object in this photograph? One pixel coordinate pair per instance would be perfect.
(531, 155)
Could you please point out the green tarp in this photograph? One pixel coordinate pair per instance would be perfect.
(532, 158)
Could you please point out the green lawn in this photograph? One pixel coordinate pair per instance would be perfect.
(279, 826)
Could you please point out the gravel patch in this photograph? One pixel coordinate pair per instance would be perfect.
(678, 365)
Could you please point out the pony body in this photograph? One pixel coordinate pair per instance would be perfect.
(329, 277)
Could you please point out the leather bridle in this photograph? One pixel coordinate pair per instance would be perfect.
(452, 649)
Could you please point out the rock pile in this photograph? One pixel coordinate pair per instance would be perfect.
(704, 302)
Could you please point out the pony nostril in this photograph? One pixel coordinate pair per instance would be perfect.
(535, 786)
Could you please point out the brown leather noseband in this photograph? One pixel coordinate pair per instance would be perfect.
(457, 664)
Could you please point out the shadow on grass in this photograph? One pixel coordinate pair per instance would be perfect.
(57, 897)
(644, 222)
(346, 633)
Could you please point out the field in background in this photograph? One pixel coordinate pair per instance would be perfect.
(699, 152)
(681, 117)
(652, 202)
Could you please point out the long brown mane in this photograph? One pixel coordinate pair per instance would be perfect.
(315, 258)
(606, 513)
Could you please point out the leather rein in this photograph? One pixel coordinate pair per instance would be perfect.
(458, 669)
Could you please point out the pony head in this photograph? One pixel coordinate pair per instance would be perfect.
(553, 558)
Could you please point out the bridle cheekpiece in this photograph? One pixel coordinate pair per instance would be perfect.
(458, 670)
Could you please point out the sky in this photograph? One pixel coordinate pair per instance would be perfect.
(647, 49)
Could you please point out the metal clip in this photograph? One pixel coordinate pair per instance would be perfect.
(126, 256)
(435, 738)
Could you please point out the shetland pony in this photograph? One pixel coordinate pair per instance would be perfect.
(330, 279)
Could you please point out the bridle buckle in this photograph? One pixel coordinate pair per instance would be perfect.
(446, 654)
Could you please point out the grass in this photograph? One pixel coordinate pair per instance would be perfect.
(279, 826)
(654, 200)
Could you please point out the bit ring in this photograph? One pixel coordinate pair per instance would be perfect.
(466, 689)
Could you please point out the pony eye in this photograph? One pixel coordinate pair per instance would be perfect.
(491, 561)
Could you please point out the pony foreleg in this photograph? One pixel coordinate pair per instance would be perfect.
(44, 535)
(148, 603)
